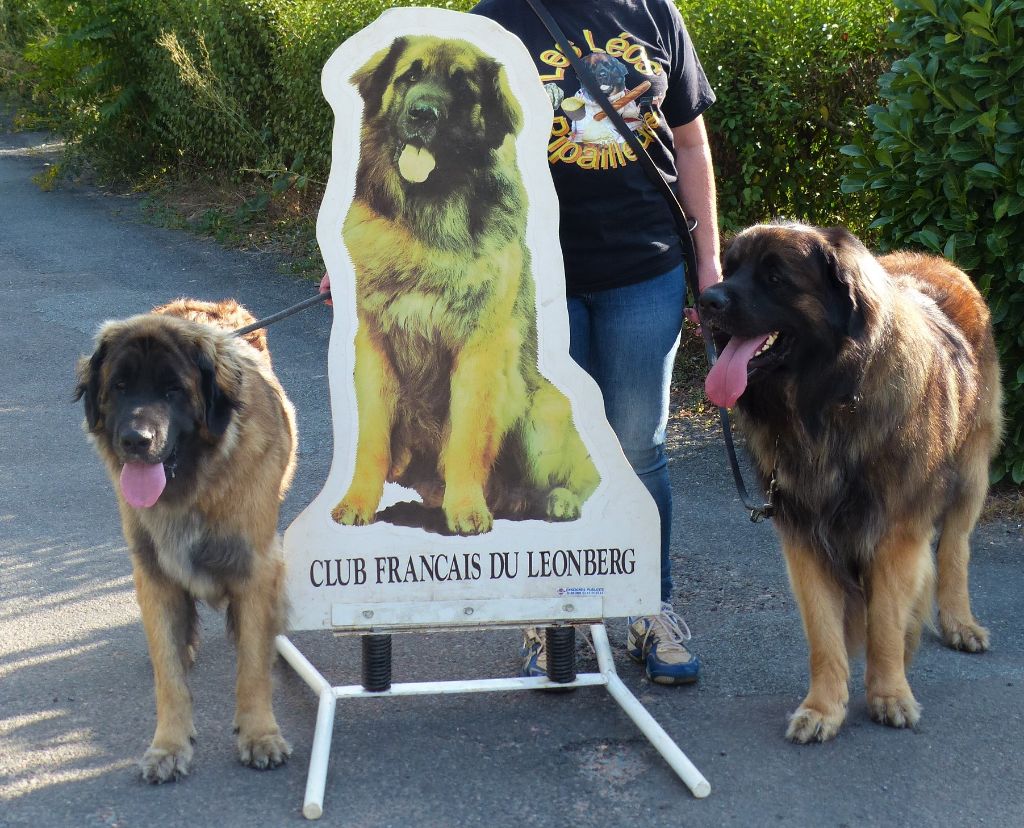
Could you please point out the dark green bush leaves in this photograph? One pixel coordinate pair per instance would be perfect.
(792, 80)
(946, 154)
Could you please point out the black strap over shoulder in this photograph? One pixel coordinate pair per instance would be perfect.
(684, 226)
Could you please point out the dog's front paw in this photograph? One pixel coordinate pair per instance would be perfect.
(467, 516)
(895, 711)
(166, 763)
(562, 505)
(968, 635)
(810, 725)
(263, 752)
(354, 512)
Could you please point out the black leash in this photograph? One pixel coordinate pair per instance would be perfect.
(277, 317)
(684, 226)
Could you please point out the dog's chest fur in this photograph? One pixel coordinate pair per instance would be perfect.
(420, 316)
(190, 553)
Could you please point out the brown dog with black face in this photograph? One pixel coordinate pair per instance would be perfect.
(199, 440)
(868, 389)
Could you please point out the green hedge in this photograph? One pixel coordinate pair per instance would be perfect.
(219, 85)
(20, 21)
(208, 82)
(947, 159)
(147, 83)
(792, 79)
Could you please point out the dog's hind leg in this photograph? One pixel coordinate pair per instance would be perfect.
(901, 571)
(959, 628)
(169, 619)
(556, 459)
(921, 613)
(257, 615)
(822, 608)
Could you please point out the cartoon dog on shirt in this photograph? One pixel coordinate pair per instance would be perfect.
(590, 125)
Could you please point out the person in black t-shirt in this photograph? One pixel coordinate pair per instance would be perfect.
(623, 259)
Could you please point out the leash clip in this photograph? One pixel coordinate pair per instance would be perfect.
(766, 512)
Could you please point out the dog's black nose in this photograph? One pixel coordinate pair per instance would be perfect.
(424, 112)
(136, 441)
(713, 299)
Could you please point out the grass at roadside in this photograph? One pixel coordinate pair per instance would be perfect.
(245, 215)
(1005, 502)
(689, 406)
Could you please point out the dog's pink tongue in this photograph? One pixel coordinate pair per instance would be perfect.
(142, 483)
(727, 379)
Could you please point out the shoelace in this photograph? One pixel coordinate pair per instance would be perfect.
(531, 636)
(669, 625)
(535, 635)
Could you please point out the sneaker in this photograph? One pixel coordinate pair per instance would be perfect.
(534, 653)
(656, 641)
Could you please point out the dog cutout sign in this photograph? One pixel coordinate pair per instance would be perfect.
(475, 479)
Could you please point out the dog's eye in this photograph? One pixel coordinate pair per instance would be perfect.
(414, 73)
(171, 391)
(120, 385)
(772, 272)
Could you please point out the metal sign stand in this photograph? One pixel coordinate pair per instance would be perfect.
(561, 665)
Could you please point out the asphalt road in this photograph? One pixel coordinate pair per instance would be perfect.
(76, 699)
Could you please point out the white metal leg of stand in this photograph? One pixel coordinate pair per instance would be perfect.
(656, 735)
(316, 779)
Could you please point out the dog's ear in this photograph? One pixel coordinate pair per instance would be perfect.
(373, 77)
(219, 384)
(726, 244)
(850, 275)
(88, 388)
(621, 72)
(501, 115)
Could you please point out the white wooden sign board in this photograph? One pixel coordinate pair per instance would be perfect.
(474, 478)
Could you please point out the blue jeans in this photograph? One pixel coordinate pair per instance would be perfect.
(626, 339)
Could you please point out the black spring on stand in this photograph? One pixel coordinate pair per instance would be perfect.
(376, 663)
(561, 647)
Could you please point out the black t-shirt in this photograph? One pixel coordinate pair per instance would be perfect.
(615, 228)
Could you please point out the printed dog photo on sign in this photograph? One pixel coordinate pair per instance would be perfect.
(451, 402)
(472, 457)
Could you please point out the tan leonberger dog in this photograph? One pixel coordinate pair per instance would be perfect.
(869, 393)
(199, 440)
(449, 396)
